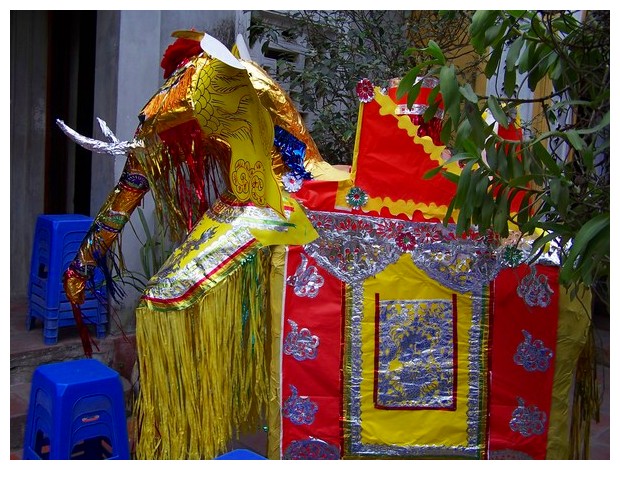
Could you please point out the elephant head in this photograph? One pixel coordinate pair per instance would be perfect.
(219, 126)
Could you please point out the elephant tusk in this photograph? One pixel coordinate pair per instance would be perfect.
(106, 130)
(98, 146)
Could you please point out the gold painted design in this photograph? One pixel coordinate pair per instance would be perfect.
(227, 106)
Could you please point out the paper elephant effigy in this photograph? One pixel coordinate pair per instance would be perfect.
(332, 305)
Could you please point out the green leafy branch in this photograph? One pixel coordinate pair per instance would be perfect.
(155, 248)
(554, 182)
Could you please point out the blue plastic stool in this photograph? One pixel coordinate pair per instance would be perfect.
(76, 412)
(56, 241)
(241, 454)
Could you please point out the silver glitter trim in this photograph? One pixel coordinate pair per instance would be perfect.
(174, 279)
(353, 248)
(300, 344)
(306, 281)
(348, 246)
(532, 355)
(534, 289)
(428, 82)
(300, 410)
(416, 109)
(460, 265)
(311, 449)
(508, 455)
(248, 216)
(528, 420)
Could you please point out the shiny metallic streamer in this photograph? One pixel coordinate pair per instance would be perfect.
(293, 152)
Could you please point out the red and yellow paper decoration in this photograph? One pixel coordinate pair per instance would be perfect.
(345, 315)
(449, 347)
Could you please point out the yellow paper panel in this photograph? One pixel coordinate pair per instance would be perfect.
(297, 229)
(404, 281)
(206, 232)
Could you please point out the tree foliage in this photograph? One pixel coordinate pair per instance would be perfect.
(344, 46)
(560, 170)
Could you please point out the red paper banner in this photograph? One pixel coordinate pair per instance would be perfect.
(524, 333)
(311, 358)
(389, 162)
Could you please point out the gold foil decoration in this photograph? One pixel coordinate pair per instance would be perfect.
(120, 204)
(285, 115)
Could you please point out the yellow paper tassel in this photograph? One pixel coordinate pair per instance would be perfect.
(203, 371)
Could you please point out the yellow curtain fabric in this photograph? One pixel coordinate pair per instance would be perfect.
(573, 327)
(276, 285)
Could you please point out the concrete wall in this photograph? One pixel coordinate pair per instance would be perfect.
(127, 74)
(27, 139)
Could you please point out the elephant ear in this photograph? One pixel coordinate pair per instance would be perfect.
(190, 43)
(240, 49)
(227, 106)
(216, 49)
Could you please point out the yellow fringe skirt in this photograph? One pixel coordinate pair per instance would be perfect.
(203, 369)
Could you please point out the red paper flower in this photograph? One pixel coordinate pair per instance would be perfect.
(406, 241)
(177, 54)
(365, 90)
